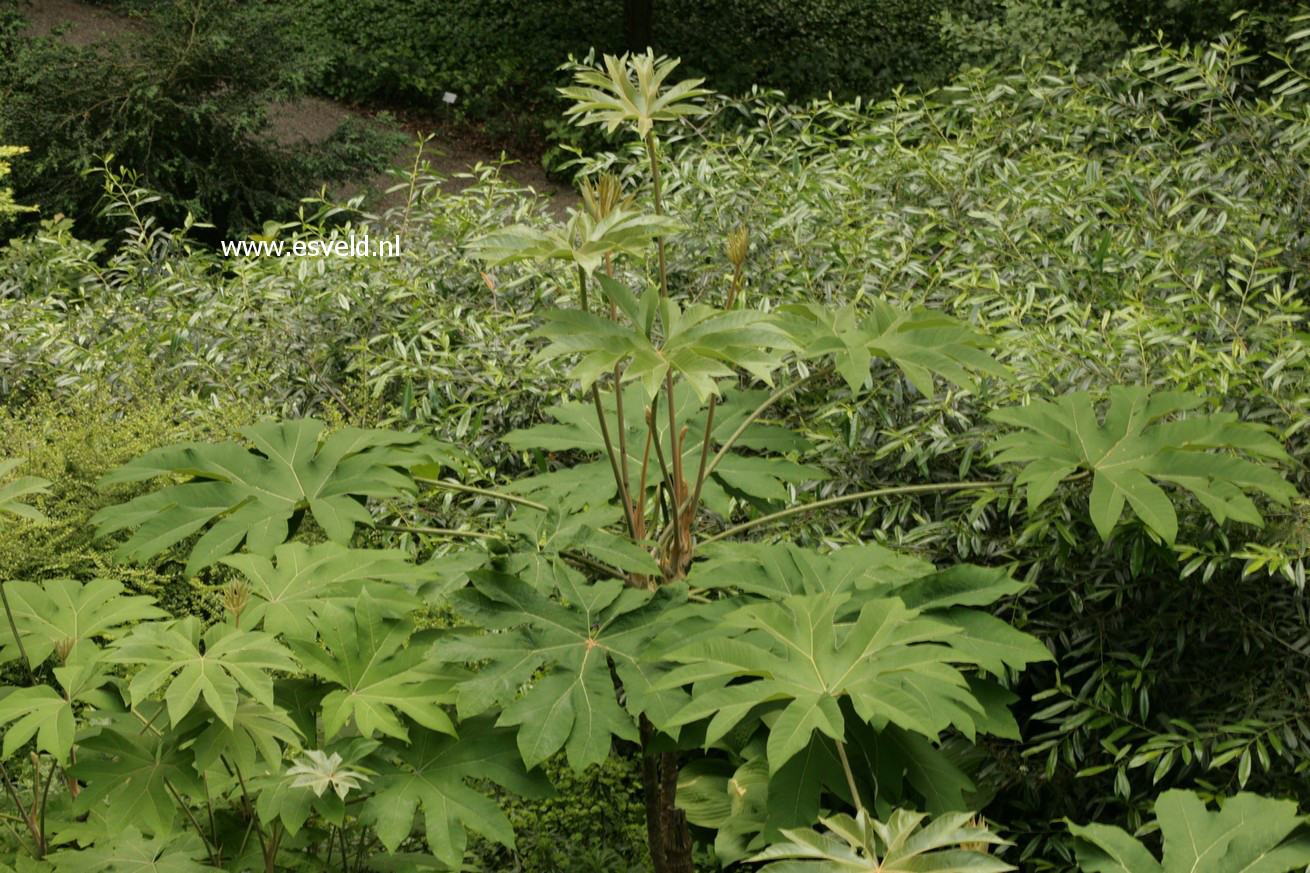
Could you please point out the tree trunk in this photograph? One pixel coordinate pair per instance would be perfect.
(666, 825)
(638, 18)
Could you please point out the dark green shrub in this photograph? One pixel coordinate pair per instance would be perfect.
(185, 107)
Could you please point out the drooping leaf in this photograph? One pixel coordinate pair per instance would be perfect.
(132, 852)
(379, 677)
(39, 711)
(251, 495)
(429, 776)
(58, 612)
(903, 844)
(23, 486)
(1248, 834)
(214, 665)
(1136, 446)
(574, 641)
(922, 343)
(583, 239)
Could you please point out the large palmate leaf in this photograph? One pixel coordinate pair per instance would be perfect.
(699, 343)
(379, 676)
(574, 642)
(1248, 834)
(918, 341)
(23, 486)
(252, 494)
(132, 852)
(583, 240)
(627, 91)
(299, 582)
(64, 612)
(903, 844)
(894, 665)
(431, 773)
(866, 572)
(213, 665)
(41, 711)
(1135, 447)
(130, 774)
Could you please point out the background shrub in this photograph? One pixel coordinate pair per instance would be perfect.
(185, 108)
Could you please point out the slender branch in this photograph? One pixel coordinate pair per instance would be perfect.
(213, 855)
(652, 416)
(850, 776)
(849, 498)
(22, 811)
(250, 808)
(45, 794)
(704, 457)
(653, 156)
(622, 420)
(443, 531)
(345, 856)
(485, 492)
(13, 627)
(624, 497)
(679, 483)
(757, 412)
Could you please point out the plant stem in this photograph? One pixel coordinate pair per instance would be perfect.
(22, 811)
(209, 847)
(848, 498)
(13, 627)
(485, 492)
(614, 461)
(850, 776)
(757, 412)
(653, 156)
(443, 531)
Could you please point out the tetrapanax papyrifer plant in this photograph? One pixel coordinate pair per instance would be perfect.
(619, 610)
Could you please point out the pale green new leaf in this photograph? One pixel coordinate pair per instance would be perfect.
(903, 844)
(250, 495)
(627, 91)
(429, 776)
(922, 343)
(562, 651)
(319, 771)
(1248, 834)
(213, 666)
(1134, 447)
(379, 676)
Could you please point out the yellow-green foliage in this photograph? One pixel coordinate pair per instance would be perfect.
(8, 208)
(73, 442)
